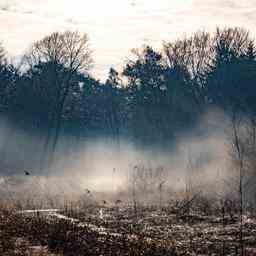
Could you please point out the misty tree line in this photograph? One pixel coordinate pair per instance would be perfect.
(156, 96)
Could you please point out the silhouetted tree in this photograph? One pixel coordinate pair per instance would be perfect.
(8, 81)
(161, 94)
(146, 86)
(68, 51)
(193, 54)
(158, 96)
(230, 82)
(2, 53)
(81, 106)
(114, 96)
(8, 84)
(9, 75)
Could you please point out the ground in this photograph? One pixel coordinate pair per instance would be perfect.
(120, 230)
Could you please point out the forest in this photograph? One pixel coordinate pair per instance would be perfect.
(157, 97)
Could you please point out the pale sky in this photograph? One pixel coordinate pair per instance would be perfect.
(116, 26)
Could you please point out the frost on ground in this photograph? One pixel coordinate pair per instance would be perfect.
(101, 230)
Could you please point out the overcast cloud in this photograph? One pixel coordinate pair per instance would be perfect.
(116, 26)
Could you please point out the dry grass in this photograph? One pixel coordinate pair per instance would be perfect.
(150, 232)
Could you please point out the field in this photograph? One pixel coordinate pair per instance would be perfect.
(122, 229)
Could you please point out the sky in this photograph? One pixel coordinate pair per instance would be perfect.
(116, 26)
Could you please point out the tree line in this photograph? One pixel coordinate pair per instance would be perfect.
(156, 96)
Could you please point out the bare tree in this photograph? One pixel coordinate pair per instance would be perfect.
(2, 53)
(197, 55)
(70, 50)
(193, 54)
(238, 150)
(236, 40)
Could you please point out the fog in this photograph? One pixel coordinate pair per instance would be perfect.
(90, 168)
